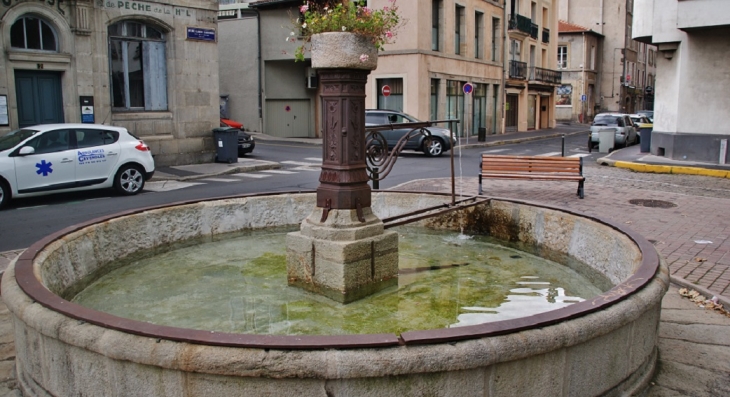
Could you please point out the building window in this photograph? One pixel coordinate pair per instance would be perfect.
(478, 33)
(434, 114)
(435, 25)
(479, 108)
(459, 30)
(395, 100)
(33, 33)
(495, 40)
(562, 57)
(455, 103)
(138, 66)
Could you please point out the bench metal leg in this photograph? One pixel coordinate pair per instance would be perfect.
(480, 185)
(580, 189)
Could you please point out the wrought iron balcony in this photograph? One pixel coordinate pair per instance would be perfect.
(545, 35)
(517, 70)
(544, 75)
(520, 23)
(533, 30)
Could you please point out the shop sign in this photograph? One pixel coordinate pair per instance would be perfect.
(145, 7)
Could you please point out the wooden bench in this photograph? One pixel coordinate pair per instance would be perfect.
(537, 168)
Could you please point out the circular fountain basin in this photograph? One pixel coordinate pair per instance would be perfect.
(605, 345)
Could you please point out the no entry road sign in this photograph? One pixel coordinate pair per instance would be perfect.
(386, 90)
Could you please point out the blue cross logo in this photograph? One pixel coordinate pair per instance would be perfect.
(44, 168)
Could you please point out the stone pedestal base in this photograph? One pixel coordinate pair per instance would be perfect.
(342, 258)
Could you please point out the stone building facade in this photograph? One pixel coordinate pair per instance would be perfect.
(151, 67)
(531, 65)
(626, 68)
(692, 100)
(579, 59)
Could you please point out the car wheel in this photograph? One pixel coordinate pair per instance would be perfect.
(129, 180)
(433, 147)
(4, 193)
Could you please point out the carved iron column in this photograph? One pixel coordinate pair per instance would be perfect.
(343, 180)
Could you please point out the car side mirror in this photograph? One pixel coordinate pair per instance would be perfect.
(26, 150)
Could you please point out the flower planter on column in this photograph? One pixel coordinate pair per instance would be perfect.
(343, 50)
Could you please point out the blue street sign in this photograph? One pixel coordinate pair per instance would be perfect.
(201, 34)
(468, 88)
(583, 98)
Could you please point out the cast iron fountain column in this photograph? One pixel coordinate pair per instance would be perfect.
(342, 250)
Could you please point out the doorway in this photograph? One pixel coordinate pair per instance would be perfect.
(39, 97)
(511, 113)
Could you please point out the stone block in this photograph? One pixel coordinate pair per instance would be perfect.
(546, 374)
(600, 363)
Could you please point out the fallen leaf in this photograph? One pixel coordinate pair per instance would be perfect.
(698, 259)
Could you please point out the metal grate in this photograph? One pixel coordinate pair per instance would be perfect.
(652, 203)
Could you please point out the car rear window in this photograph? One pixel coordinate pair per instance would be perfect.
(606, 120)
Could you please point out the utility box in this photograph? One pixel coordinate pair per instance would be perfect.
(606, 140)
(226, 144)
(645, 142)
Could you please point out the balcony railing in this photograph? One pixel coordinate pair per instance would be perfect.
(544, 75)
(519, 22)
(545, 35)
(517, 70)
(533, 30)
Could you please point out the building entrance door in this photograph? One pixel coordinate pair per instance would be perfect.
(531, 109)
(39, 97)
(287, 118)
(511, 113)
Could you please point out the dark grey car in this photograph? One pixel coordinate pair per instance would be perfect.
(439, 142)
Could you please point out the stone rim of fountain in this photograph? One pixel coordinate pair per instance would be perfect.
(26, 279)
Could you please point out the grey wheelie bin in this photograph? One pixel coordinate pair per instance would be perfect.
(226, 144)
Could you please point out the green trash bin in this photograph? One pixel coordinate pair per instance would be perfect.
(226, 144)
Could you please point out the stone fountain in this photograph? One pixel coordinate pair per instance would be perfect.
(605, 345)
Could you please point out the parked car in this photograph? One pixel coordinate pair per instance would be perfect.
(245, 143)
(648, 113)
(624, 130)
(57, 158)
(642, 124)
(245, 140)
(439, 142)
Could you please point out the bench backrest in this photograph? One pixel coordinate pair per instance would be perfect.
(494, 164)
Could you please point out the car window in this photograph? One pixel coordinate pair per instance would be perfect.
(15, 137)
(397, 118)
(605, 119)
(51, 141)
(92, 137)
(376, 118)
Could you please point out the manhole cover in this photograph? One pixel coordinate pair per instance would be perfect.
(652, 203)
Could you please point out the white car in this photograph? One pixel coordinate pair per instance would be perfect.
(56, 158)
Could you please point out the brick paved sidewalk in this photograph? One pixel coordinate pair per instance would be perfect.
(693, 237)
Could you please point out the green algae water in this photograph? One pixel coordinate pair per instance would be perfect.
(238, 285)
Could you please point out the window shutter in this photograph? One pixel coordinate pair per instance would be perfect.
(155, 75)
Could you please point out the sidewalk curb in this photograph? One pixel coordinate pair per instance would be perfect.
(662, 169)
(519, 140)
(702, 290)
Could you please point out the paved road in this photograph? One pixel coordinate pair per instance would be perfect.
(692, 232)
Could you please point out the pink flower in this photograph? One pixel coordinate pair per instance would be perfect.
(389, 34)
(304, 8)
(364, 58)
(385, 8)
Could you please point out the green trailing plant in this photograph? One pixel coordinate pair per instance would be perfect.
(377, 25)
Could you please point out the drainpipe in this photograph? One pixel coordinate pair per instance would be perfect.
(583, 78)
(258, 65)
(505, 66)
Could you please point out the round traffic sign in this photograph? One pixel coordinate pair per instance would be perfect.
(468, 88)
(386, 90)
